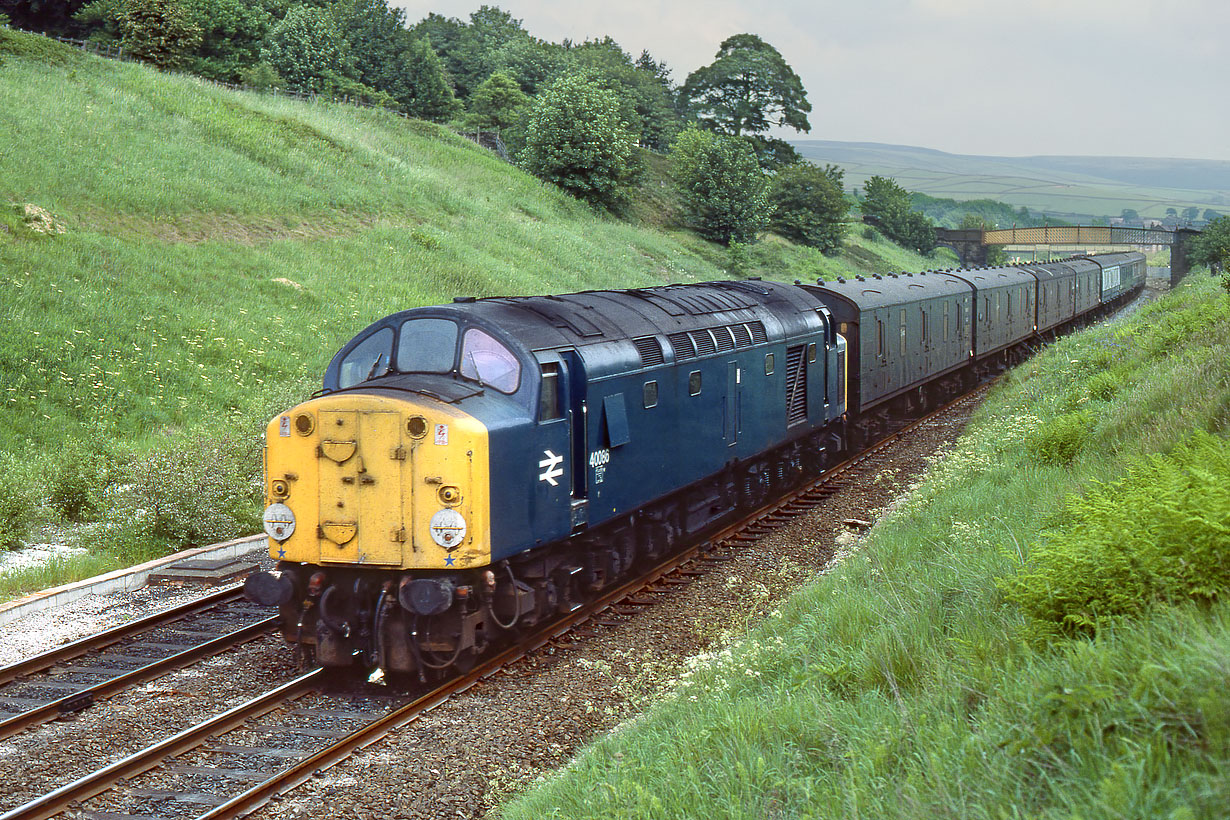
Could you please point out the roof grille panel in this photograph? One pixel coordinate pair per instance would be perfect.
(684, 349)
(703, 339)
(650, 349)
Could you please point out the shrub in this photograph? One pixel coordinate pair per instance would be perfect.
(76, 481)
(1061, 440)
(1158, 534)
(725, 194)
(16, 506)
(809, 207)
(187, 492)
(575, 139)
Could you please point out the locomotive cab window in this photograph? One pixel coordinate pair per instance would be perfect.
(488, 362)
(650, 395)
(426, 346)
(548, 396)
(370, 359)
(694, 383)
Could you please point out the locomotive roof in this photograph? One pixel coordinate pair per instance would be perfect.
(590, 317)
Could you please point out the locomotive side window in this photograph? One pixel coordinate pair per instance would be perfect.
(768, 364)
(650, 395)
(694, 383)
(487, 361)
(548, 398)
(811, 353)
(426, 346)
(369, 360)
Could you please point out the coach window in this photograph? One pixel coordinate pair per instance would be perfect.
(923, 312)
(694, 383)
(548, 398)
(903, 332)
(946, 306)
(768, 364)
(650, 394)
(880, 338)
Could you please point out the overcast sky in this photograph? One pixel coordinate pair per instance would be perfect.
(1007, 78)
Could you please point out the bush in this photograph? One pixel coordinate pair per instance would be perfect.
(187, 492)
(575, 139)
(809, 207)
(1158, 534)
(16, 506)
(76, 481)
(725, 194)
(1061, 440)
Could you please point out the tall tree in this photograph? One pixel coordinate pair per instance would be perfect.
(1212, 247)
(498, 103)
(161, 32)
(421, 87)
(724, 191)
(576, 139)
(748, 88)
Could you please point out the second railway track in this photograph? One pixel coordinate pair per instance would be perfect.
(233, 763)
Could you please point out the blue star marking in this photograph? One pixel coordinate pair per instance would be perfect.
(448, 560)
(281, 552)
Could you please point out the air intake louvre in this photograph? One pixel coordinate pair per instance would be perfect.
(743, 336)
(684, 349)
(650, 350)
(759, 337)
(703, 340)
(796, 385)
(725, 341)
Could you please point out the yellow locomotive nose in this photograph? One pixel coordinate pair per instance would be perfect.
(361, 478)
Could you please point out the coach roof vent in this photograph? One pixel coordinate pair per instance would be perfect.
(465, 300)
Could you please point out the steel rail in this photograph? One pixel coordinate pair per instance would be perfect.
(87, 697)
(84, 646)
(86, 787)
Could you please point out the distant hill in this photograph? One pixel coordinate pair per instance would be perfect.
(1073, 188)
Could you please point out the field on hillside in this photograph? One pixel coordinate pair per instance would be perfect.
(180, 261)
(1073, 188)
(1040, 629)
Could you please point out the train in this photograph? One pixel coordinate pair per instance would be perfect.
(471, 469)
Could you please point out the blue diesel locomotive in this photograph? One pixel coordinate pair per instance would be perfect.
(473, 468)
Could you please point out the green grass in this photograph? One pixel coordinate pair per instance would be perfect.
(218, 247)
(906, 684)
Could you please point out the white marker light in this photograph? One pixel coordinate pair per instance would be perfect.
(279, 522)
(448, 528)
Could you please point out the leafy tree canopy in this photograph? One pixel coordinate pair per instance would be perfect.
(1212, 247)
(498, 103)
(747, 89)
(307, 50)
(809, 206)
(725, 194)
(576, 139)
(887, 204)
(161, 32)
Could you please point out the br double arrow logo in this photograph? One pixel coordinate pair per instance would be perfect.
(551, 468)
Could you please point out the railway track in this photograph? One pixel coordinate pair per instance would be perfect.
(233, 763)
(77, 675)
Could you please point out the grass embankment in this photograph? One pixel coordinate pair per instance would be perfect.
(179, 261)
(1035, 632)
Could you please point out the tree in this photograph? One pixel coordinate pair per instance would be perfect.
(1212, 246)
(1191, 213)
(1130, 215)
(1210, 214)
(747, 89)
(809, 206)
(422, 88)
(231, 35)
(644, 101)
(1172, 213)
(306, 50)
(887, 204)
(576, 139)
(725, 194)
(498, 103)
(158, 31)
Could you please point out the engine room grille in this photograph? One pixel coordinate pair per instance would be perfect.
(759, 337)
(684, 349)
(650, 350)
(720, 339)
(796, 385)
(703, 340)
(725, 340)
